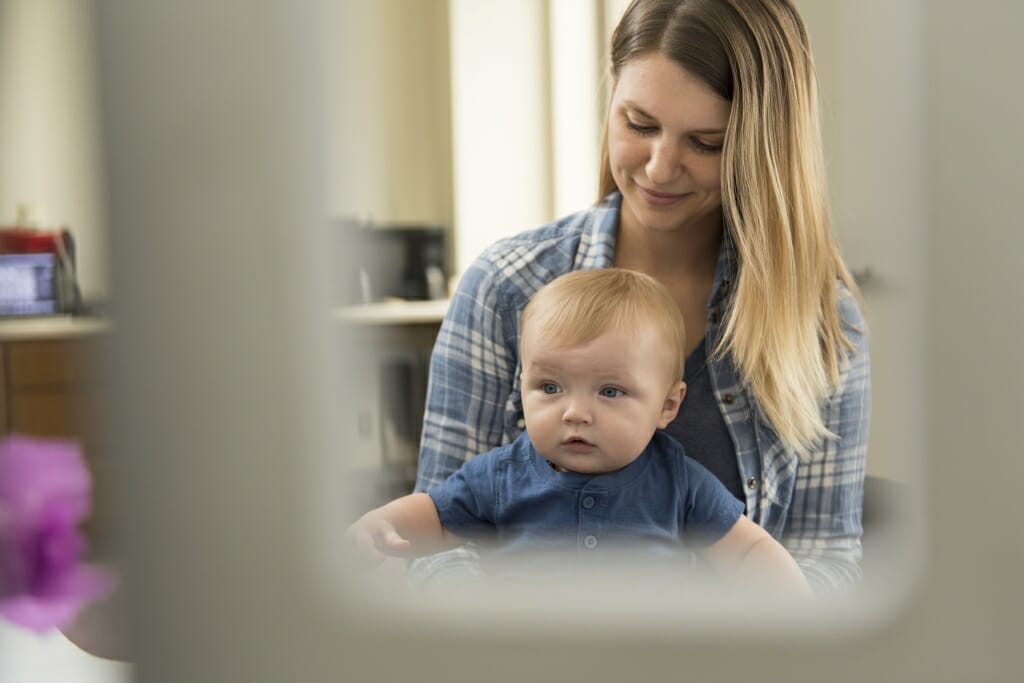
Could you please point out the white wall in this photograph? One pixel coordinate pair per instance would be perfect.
(501, 134)
(50, 147)
(576, 46)
(528, 104)
(389, 123)
(870, 57)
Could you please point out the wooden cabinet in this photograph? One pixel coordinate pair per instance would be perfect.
(52, 385)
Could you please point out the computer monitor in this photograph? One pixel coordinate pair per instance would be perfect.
(28, 284)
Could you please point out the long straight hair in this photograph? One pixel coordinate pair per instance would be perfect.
(783, 328)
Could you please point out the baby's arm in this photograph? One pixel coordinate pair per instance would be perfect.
(405, 527)
(748, 554)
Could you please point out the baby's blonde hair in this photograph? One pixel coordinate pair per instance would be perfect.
(580, 306)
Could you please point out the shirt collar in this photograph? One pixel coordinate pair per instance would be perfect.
(597, 244)
(725, 271)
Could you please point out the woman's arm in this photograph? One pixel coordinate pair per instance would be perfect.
(823, 527)
(471, 376)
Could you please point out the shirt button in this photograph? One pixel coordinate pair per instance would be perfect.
(588, 502)
(752, 483)
(729, 399)
(590, 542)
(521, 423)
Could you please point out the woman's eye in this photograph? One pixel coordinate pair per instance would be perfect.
(704, 147)
(641, 129)
(549, 388)
(611, 392)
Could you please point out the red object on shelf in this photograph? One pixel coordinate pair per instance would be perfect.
(28, 241)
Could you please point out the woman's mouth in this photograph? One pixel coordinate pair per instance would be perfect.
(661, 199)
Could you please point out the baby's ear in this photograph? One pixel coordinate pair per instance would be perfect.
(673, 400)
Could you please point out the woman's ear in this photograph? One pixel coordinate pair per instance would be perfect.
(673, 400)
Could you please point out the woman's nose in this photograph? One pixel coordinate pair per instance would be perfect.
(665, 163)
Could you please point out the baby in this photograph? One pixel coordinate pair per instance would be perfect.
(602, 353)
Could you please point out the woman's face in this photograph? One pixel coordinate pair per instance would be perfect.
(665, 136)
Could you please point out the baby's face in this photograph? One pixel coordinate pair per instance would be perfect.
(593, 408)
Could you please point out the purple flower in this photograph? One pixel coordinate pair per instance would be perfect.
(44, 496)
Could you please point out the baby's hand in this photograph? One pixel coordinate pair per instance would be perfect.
(373, 538)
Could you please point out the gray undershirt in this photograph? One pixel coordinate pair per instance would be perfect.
(701, 429)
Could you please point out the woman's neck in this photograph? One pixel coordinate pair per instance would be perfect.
(686, 253)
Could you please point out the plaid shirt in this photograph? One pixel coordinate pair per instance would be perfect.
(811, 505)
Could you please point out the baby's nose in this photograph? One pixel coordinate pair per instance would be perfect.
(577, 411)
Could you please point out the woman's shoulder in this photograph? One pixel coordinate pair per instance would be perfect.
(515, 267)
(560, 238)
(851, 315)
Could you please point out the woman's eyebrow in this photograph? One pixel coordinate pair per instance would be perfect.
(638, 109)
(632, 106)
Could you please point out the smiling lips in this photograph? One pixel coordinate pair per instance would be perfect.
(661, 198)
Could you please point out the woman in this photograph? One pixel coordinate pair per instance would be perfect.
(713, 183)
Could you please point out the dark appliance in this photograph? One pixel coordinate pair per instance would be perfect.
(381, 262)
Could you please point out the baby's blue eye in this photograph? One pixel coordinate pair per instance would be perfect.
(549, 388)
(611, 392)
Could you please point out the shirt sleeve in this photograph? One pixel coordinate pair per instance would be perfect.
(824, 525)
(709, 510)
(465, 501)
(471, 377)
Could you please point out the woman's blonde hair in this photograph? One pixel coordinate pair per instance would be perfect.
(580, 306)
(783, 328)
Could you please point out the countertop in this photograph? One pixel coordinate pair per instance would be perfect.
(50, 327)
(394, 312)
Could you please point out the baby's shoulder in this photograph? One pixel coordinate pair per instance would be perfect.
(669, 461)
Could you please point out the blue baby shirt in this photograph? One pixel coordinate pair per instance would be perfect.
(512, 496)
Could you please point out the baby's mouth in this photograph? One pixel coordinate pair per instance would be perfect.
(577, 443)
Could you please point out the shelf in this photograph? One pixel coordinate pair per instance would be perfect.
(394, 313)
(50, 327)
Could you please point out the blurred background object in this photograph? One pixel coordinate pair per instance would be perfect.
(51, 158)
(37, 269)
